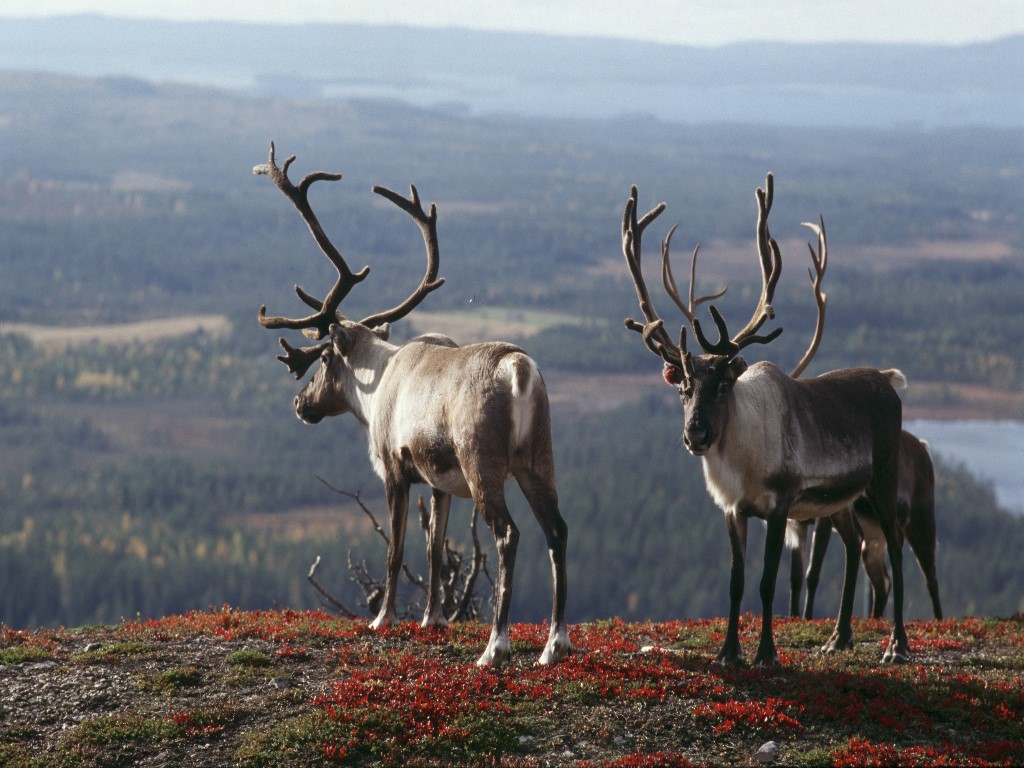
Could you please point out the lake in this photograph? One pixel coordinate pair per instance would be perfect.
(992, 450)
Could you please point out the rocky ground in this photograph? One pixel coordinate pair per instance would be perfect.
(228, 688)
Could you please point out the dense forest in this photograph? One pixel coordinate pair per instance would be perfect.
(161, 474)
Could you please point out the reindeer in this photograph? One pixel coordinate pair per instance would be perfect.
(775, 447)
(915, 498)
(460, 419)
(916, 505)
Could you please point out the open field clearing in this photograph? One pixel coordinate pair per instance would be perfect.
(120, 333)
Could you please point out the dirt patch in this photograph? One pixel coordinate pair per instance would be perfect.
(727, 260)
(488, 324)
(120, 333)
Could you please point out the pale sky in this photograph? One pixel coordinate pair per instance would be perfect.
(694, 22)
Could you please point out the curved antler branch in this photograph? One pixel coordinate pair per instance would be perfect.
(427, 223)
(771, 270)
(653, 330)
(314, 326)
(819, 262)
(688, 308)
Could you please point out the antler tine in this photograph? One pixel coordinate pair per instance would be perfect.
(771, 270)
(427, 223)
(299, 359)
(315, 326)
(819, 261)
(689, 307)
(771, 267)
(653, 330)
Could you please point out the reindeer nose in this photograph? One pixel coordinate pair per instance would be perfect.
(695, 437)
(303, 411)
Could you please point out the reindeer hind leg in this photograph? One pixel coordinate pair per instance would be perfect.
(883, 499)
(494, 512)
(543, 499)
(842, 636)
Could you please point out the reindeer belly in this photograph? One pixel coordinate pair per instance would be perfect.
(828, 495)
(741, 489)
(435, 462)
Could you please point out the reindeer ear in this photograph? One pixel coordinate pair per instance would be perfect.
(383, 331)
(736, 368)
(342, 339)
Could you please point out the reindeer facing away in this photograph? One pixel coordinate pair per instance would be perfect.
(775, 447)
(460, 419)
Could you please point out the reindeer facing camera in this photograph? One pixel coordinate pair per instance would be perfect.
(460, 419)
(773, 446)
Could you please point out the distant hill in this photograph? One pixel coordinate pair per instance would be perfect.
(458, 70)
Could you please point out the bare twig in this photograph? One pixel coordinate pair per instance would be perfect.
(326, 598)
(460, 603)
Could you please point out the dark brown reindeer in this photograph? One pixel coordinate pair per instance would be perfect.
(460, 419)
(775, 447)
(915, 502)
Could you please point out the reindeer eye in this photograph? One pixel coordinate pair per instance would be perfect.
(325, 357)
(686, 392)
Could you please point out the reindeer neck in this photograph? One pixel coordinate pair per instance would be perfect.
(367, 365)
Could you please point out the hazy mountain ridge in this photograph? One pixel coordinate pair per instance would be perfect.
(487, 72)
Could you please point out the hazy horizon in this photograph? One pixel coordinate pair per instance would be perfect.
(689, 22)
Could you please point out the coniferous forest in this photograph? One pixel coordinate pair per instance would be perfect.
(164, 470)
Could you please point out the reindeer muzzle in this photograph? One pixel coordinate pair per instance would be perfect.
(697, 439)
(305, 412)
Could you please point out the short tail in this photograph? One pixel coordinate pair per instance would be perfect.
(523, 374)
(896, 378)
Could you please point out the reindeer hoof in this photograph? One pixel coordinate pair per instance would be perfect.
(898, 649)
(383, 619)
(558, 648)
(434, 621)
(894, 656)
(728, 658)
(767, 662)
(496, 654)
(837, 643)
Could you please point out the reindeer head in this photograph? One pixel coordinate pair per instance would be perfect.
(705, 382)
(351, 347)
(350, 362)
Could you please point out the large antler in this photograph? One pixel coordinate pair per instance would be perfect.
(427, 223)
(653, 330)
(819, 261)
(299, 359)
(771, 271)
(315, 326)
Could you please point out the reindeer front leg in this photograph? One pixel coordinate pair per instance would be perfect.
(440, 503)
(774, 542)
(397, 492)
(737, 527)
